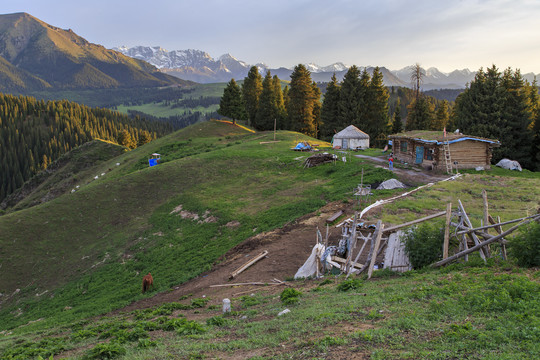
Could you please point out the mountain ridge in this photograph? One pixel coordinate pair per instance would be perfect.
(227, 66)
(36, 55)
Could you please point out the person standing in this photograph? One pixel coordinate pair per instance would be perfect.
(391, 162)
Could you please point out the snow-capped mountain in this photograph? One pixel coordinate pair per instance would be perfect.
(199, 66)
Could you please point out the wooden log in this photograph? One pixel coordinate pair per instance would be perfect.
(469, 224)
(447, 230)
(494, 224)
(396, 227)
(477, 247)
(248, 264)
(240, 284)
(380, 228)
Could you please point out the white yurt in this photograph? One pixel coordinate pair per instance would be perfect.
(351, 138)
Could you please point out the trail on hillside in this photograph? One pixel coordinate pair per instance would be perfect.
(288, 248)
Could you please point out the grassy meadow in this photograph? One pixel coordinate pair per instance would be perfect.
(82, 255)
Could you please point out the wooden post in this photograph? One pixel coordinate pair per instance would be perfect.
(447, 230)
(473, 235)
(380, 228)
(503, 246)
(275, 120)
(353, 265)
(485, 219)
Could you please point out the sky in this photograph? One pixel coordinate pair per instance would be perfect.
(448, 35)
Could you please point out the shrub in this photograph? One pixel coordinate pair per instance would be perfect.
(105, 351)
(146, 343)
(350, 284)
(290, 296)
(423, 244)
(190, 328)
(525, 247)
(217, 321)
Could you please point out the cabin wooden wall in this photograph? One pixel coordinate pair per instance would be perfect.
(468, 153)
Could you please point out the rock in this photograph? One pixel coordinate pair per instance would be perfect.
(286, 311)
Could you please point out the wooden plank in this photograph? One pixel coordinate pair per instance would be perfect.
(477, 247)
(248, 264)
(239, 284)
(380, 229)
(354, 264)
(447, 230)
(334, 216)
(344, 261)
(394, 228)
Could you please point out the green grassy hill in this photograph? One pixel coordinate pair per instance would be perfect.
(77, 249)
(82, 254)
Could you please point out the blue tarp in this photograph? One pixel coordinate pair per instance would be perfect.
(302, 146)
(153, 162)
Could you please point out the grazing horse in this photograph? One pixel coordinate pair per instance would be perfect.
(147, 281)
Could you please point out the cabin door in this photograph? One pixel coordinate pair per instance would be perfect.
(345, 143)
(419, 154)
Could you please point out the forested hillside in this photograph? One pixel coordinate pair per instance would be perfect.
(33, 133)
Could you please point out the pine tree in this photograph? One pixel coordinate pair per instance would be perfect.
(301, 102)
(316, 108)
(351, 99)
(251, 91)
(420, 114)
(281, 112)
(518, 138)
(441, 117)
(397, 124)
(231, 104)
(268, 111)
(376, 103)
(497, 106)
(330, 110)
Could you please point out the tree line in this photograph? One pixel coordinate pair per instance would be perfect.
(34, 133)
(496, 105)
(361, 99)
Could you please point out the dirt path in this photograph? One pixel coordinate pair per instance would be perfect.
(288, 248)
(413, 176)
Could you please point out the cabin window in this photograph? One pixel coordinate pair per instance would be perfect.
(403, 146)
(428, 154)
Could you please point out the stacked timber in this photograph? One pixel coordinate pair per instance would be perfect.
(319, 159)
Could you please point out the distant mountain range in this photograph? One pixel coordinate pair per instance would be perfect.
(35, 56)
(199, 66)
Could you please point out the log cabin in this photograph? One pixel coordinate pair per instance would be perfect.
(437, 150)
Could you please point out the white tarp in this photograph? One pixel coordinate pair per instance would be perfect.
(310, 266)
(391, 184)
(509, 164)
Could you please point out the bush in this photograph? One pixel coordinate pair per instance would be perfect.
(525, 247)
(423, 244)
(290, 296)
(350, 284)
(105, 351)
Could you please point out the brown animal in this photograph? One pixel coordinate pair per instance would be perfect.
(147, 281)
